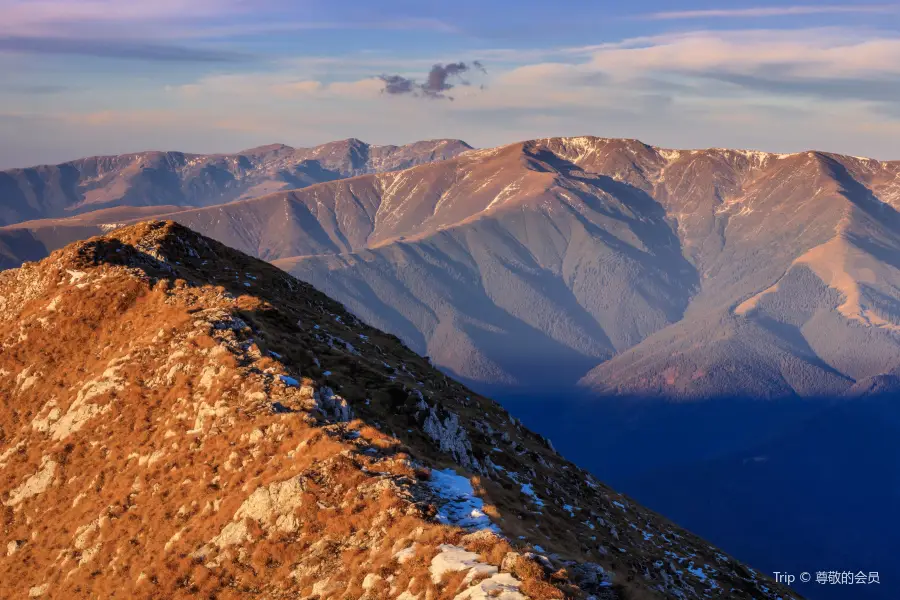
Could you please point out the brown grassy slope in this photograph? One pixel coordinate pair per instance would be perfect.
(181, 420)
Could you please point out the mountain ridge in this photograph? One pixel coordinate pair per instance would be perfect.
(191, 421)
(156, 177)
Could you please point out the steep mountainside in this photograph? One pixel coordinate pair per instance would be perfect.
(826, 322)
(635, 269)
(490, 251)
(175, 178)
(181, 420)
(666, 261)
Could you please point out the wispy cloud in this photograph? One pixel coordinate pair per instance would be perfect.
(44, 16)
(117, 49)
(774, 11)
(807, 53)
(206, 30)
(181, 19)
(167, 30)
(113, 29)
(263, 87)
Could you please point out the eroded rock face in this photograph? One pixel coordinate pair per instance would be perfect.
(180, 420)
(450, 437)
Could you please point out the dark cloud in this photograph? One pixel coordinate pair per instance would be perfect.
(121, 49)
(440, 80)
(395, 84)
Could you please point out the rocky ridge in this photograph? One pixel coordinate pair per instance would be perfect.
(181, 420)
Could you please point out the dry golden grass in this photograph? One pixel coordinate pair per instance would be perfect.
(171, 373)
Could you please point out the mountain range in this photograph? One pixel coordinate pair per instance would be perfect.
(181, 420)
(617, 266)
(696, 327)
(176, 178)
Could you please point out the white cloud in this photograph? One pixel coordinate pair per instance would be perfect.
(298, 25)
(547, 72)
(265, 88)
(807, 53)
(297, 88)
(775, 11)
(363, 88)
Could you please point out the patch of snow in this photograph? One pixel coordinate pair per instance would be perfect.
(669, 155)
(528, 490)
(289, 381)
(462, 507)
(696, 572)
(455, 558)
(500, 586)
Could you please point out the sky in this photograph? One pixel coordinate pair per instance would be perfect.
(87, 77)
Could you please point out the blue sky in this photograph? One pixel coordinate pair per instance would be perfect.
(91, 77)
